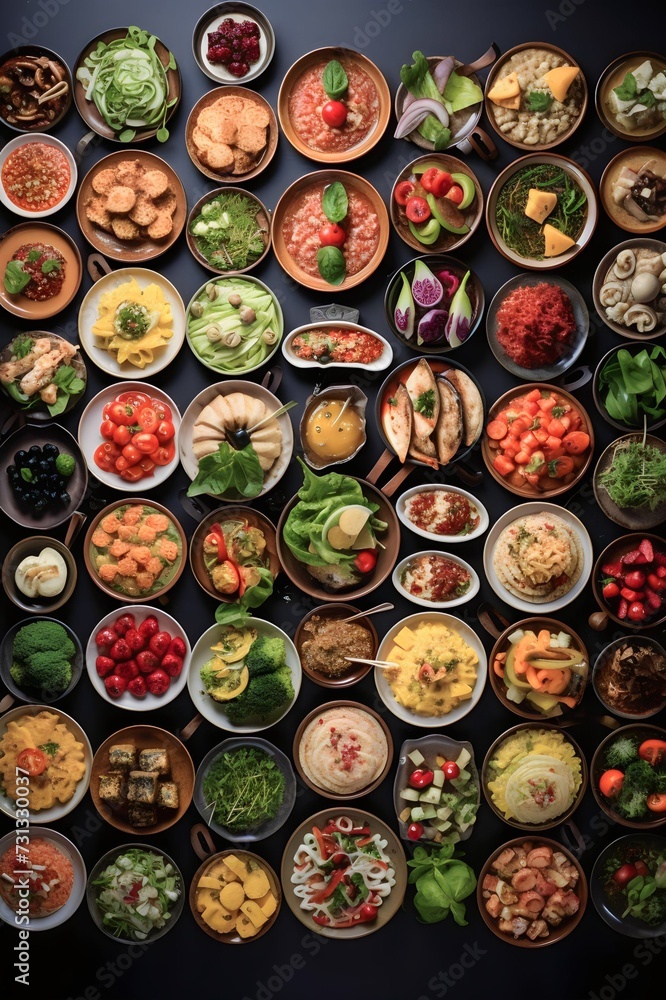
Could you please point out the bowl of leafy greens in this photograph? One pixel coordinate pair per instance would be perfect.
(628, 885)
(628, 776)
(228, 231)
(245, 789)
(630, 481)
(629, 387)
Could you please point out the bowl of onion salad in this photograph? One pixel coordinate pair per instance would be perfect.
(135, 892)
(347, 873)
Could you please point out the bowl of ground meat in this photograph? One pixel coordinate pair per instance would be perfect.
(323, 640)
(537, 326)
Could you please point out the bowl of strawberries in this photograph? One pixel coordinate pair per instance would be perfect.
(137, 658)
(629, 583)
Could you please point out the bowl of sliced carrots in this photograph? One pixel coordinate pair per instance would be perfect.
(539, 668)
(538, 440)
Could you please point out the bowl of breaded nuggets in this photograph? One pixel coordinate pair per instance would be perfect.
(131, 206)
(231, 134)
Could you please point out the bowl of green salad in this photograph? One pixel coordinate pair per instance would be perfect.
(229, 231)
(630, 481)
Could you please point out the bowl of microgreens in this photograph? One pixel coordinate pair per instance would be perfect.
(630, 481)
(228, 231)
(245, 789)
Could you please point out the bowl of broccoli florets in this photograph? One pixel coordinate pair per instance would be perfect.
(628, 776)
(41, 660)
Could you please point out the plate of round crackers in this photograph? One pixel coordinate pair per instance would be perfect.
(131, 206)
(231, 134)
(538, 555)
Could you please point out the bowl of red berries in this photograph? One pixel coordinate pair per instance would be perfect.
(137, 658)
(233, 43)
(629, 583)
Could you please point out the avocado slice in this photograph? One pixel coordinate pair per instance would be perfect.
(428, 233)
(469, 191)
(434, 208)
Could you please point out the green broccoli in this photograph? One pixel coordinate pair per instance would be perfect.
(266, 656)
(640, 781)
(263, 696)
(18, 672)
(632, 804)
(48, 673)
(42, 637)
(622, 752)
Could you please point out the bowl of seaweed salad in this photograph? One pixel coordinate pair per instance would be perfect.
(228, 231)
(562, 208)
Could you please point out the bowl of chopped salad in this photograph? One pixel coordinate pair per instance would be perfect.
(628, 886)
(229, 231)
(134, 893)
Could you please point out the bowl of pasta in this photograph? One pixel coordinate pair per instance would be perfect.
(132, 323)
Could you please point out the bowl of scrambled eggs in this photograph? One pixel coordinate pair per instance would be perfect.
(440, 669)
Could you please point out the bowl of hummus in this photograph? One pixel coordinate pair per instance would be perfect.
(343, 750)
(538, 554)
(534, 777)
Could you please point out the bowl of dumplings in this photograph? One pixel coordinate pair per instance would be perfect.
(629, 289)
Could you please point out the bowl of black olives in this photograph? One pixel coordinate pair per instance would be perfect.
(44, 476)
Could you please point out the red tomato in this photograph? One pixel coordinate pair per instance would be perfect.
(451, 770)
(147, 465)
(652, 751)
(332, 235)
(455, 194)
(165, 431)
(162, 410)
(132, 474)
(610, 591)
(145, 443)
(415, 831)
(122, 435)
(443, 187)
(402, 192)
(32, 760)
(120, 464)
(107, 429)
(121, 413)
(635, 579)
(417, 210)
(134, 398)
(561, 467)
(625, 874)
(148, 419)
(637, 612)
(430, 177)
(164, 454)
(106, 455)
(610, 783)
(132, 454)
(334, 114)
(576, 442)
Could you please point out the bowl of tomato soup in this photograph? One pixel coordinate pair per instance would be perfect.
(37, 175)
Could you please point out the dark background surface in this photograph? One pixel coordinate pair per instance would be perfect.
(405, 959)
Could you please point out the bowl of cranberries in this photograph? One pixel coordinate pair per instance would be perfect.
(233, 43)
(137, 658)
(629, 582)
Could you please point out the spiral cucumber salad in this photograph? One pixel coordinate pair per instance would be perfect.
(342, 873)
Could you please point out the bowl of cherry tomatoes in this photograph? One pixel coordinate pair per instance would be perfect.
(128, 436)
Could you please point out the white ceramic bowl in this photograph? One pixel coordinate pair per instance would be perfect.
(212, 710)
(471, 592)
(281, 464)
(382, 362)
(75, 898)
(127, 700)
(88, 315)
(48, 140)
(401, 504)
(524, 510)
(456, 714)
(8, 806)
(90, 438)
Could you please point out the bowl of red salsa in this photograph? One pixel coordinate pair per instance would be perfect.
(37, 175)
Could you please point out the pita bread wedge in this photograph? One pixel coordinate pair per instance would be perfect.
(423, 450)
(422, 389)
(472, 404)
(398, 421)
(449, 430)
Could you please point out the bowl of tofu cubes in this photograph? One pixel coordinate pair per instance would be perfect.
(235, 896)
(437, 791)
(142, 780)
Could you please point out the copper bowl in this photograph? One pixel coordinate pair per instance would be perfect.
(324, 792)
(181, 772)
(357, 671)
(612, 553)
(527, 491)
(611, 76)
(298, 573)
(493, 77)
(501, 645)
(208, 99)
(256, 520)
(556, 933)
(534, 828)
(95, 577)
(641, 732)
